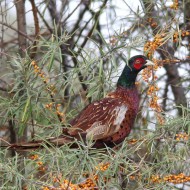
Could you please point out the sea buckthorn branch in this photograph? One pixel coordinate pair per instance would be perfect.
(148, 74)
(152, 91)
(64, 184)
(39, 72)
(90, 185)
(171, 178)
(51, 90)
(91, 180)
(150, 47)
(160, 63)
(161, 38)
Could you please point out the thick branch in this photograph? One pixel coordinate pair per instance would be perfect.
(34, 48)
(21, 24)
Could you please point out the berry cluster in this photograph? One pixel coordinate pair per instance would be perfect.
(175, 5)
(180, 34)
(133, 141)
(102, 166)
(151, 46)
(182, 136)
(40, 164)
(88, 183)
(152, 22)
(171, 178)
(177, 178)
(153, 89)
(40, 73)
(155, 179)
(67, 185)
(51, 90)
(55, 106)
(59, 183)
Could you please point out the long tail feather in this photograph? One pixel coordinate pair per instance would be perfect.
(56, 141)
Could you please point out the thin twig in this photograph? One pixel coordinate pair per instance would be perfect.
(12, 28)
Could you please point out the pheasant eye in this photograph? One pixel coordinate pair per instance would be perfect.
(138, 63)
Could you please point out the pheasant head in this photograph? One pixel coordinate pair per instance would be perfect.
(132, 68)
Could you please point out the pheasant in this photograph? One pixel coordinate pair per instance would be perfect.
(109, 120)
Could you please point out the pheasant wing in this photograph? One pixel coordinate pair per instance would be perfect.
(100, 119)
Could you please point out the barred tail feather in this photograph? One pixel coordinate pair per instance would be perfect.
(54, 141)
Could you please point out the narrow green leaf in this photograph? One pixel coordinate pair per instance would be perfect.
(24, 116)
(51, 61)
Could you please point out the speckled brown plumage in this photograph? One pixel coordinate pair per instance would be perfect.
(98, 118)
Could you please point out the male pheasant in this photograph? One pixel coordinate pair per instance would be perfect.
(109, 120)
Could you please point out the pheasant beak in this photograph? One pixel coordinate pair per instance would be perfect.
(149, 63)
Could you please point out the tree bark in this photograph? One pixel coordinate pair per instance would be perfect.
(21, 24)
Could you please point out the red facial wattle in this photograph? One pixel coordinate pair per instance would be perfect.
(139, 63)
